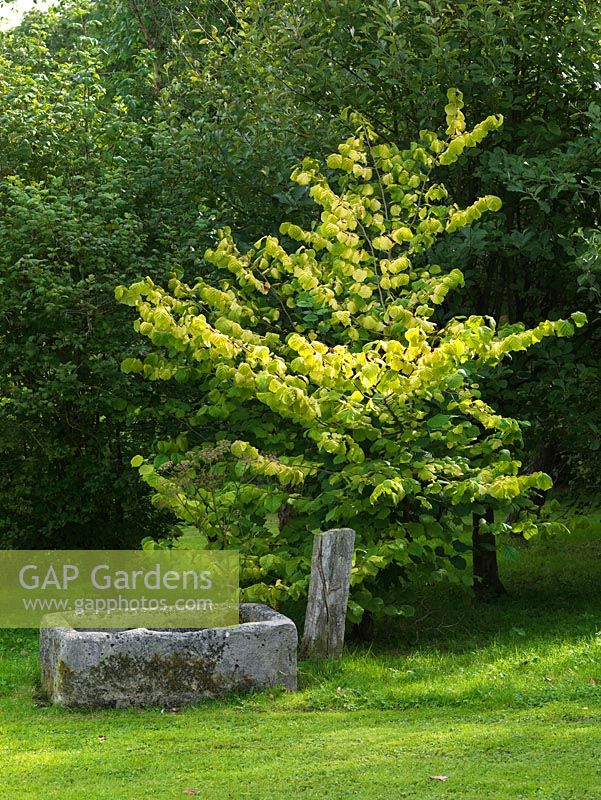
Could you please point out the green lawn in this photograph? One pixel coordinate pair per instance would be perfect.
(502, 698)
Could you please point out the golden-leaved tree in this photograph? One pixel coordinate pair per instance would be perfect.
(331, 391)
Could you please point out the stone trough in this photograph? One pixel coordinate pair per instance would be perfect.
(142, 667)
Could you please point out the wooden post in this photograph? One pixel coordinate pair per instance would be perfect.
(328, 594)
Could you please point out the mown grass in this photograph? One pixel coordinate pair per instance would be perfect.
(503, 698)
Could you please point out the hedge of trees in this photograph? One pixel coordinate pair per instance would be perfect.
(133, 130)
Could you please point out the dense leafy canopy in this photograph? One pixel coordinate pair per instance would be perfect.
(80, 211)
(133, 129)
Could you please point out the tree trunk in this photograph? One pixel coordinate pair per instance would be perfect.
(364, 631)
(487, 582)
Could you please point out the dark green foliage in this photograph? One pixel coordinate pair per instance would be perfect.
(132, 128)
(85, 196)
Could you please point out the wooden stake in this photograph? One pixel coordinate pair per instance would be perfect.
(328, 594)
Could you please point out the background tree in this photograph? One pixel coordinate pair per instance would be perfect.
(80, 183)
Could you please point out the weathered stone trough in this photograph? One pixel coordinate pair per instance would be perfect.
(138, 666)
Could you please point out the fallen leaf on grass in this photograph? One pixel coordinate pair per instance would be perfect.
(592, 681)
(438, 777)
